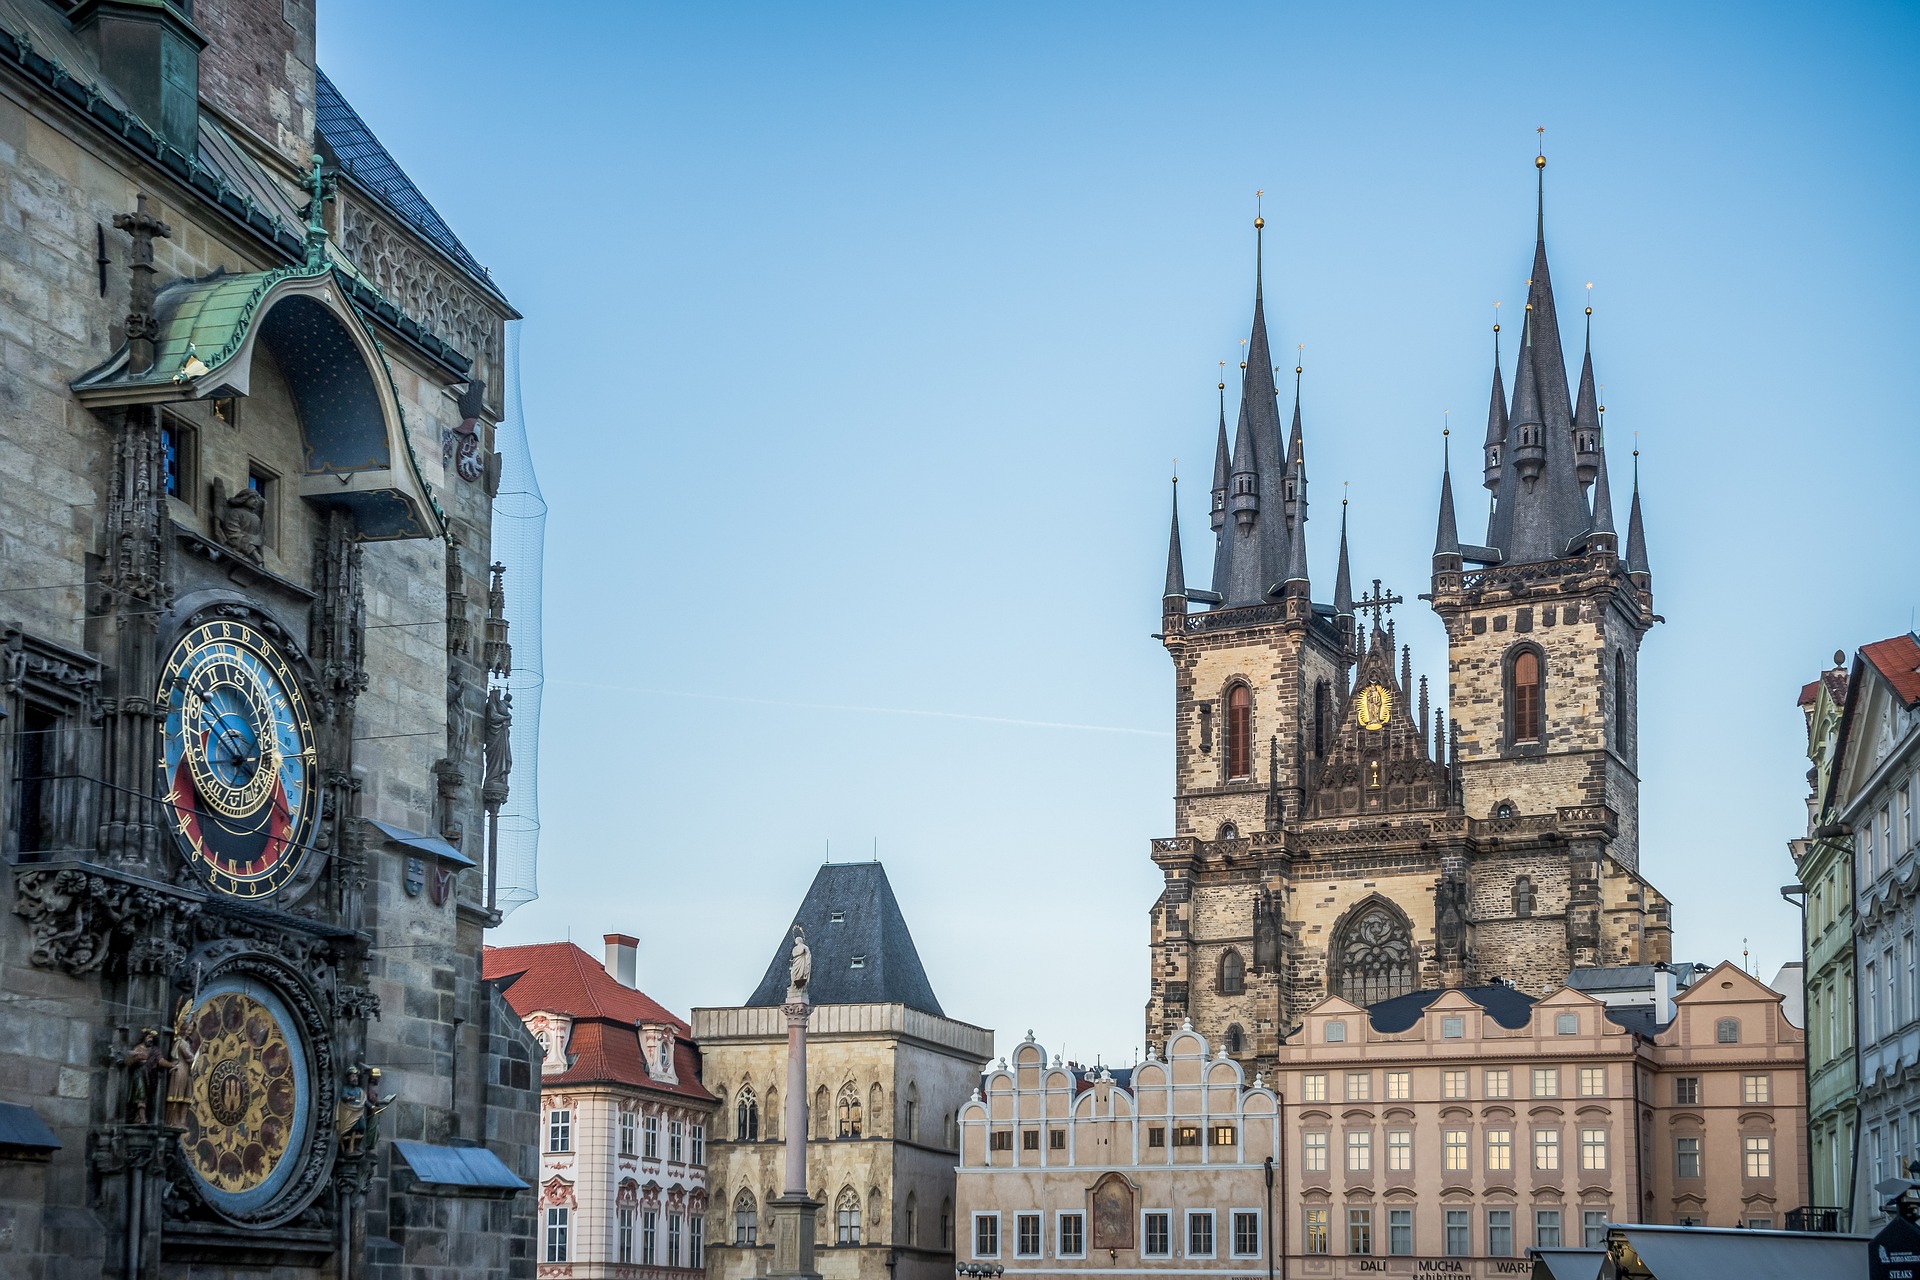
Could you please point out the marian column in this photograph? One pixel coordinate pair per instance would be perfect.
(793, 1211)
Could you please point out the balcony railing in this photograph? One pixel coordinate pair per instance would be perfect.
(1815, 1218)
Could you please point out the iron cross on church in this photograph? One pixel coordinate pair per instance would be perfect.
(1378, 603)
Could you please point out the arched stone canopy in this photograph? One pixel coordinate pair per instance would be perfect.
(354, 442)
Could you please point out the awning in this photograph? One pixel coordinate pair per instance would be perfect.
(1730, 1253)
(458, 1170)
(429, 844)
(1567, 1264)
(23, 1132)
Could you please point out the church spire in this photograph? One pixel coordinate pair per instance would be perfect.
(1176, 571)
(1217, 515)
(1296, 459)
(1496, 420)
(1343, 576)
(1297, 538)
(1602, 536)
(1586, 415)
(1637, 536)
(1446, 539)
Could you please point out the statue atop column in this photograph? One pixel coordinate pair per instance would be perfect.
(799, 966)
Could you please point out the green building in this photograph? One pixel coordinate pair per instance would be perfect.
(1824, 859)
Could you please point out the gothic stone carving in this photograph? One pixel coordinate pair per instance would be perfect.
(73, 915)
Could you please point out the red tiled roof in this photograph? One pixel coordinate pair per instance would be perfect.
(1808, 692)
(1836, 682)
(1898, 659)
(558, 977)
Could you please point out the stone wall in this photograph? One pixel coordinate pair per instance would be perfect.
(258, 70)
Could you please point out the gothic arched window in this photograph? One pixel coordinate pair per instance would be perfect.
(1239, 732)
(1236, 1040)
(821, 1113)
(1523, 702)
(1233, 974)
(746, 1116)
(850, 1112)
(910, 1115)
(1620, 701)
(1372, 957)
(1523, 895)
(846, 1216)
(746, 1218)
(770, 1116)
(910, 1227)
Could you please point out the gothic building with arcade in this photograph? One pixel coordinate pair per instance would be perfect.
(1338, 832)
(248, 633)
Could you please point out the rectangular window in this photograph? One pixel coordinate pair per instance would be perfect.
(675, 1146)
(1187, 1135)
(650, 1137)
(1400, 1232)
(696, 1241)
(986, 1235)
(1399, 1086)
(1869, 1026)
(1686, 1157)
(1200, 1234)
(1359, 1086)
(626, 1133)
(1026, 1235)
(1453, 1084)
(1056, 1139)
(1913, 991)
(1757, 1088)
(1073, 1235)
(1316, 1234)
(1454, 1150)
(1459, 1233)
(1866, 851)
(1453, 1027)
(699, 1144)
(1593, 1228)
(1400, 1150)
(1566, 1024)
(1313, 1154)
(1221, 1135)
(1499, 1149)
(1759, 1224)
(1499, 1082)
(1313, 1087)
(1246, 1233)
(1499, 1233)
(623, 1237)
(265, 483)
(1546, 1228)
(1360, 1232)
(1546, 1082)
(1759, 1153)
(1002, 1140)
(1546, 1148)
(559, 1130)
(1029, 1139)
(1159, 1235)
(649, 1236)
(178, 454)
(1156, 1136)
(1360, 1151)
(1686, 1091)
(1593, 1149)
(557, 1229)
(673, 1239)
(1593, 1082)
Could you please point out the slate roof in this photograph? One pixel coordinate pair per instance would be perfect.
(869, 926)
(1898, 660)
(1625, 977)
(372, 168)
(559, 977)
(1509, 1008)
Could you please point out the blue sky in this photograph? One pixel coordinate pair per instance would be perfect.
(861, 341)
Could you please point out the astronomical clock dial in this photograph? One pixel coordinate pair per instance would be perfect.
(249, 1096)
(236, 758)
(1375, 705)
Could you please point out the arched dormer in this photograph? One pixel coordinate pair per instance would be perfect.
(354, 449)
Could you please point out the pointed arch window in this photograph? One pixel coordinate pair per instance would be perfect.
(1523, 895)
(1233, 973)
(1523, 702)
(1236, 1040)
(1372, 957)
(746, 1219)
(846, 1217)
(1240, 732)
(850, 1113)
(746, 1116)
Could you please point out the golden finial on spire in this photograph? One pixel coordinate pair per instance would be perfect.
(1223, 375)
(1259, 220)
(1299, 349)
(1540, 160)
(1243, 353)
(1496, 316)
(1589, 297)
(1344, 485)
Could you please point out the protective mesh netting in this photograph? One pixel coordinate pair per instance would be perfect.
(519, 541)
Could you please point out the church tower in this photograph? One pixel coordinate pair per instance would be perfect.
(1334, 834)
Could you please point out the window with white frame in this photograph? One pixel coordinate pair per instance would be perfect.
(1453, 1027)
(1400, 1150)
(1593, 1149)
(1400, 1232)
(1399, 1086)
(673, 1239)
(1359, 1230)
(559, 1224)
(1756, 1088)
(1157, 1234)
(1759, 1156)
(627, 1129)
(1313, 1087)
(1072, 1237)
(1316, 1230)
(1499, 1082)
(1546, 1148)
(1546, 1228)
(649, 1237)
(1026, 1235)
(1566, 1024)
(986, 1235)
(1454, 1156)
(1359, 1086)
(1313, 1151)
(699, 1144)
(623, 1234)
(1593, 1082)
(1246, 1233)
(650, 1138)
(1453, 1084)
(675, 1146)
(1499, 1233)
(1459, 1241)
(1499, 1149)
(696, 1241)
(559, 1130)
(1546, 1082)
(1200, 1233)
(1335, 1033)
(1686, 1157)
(1593, 1228)
(1359, 1151)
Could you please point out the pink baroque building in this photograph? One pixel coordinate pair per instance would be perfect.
(624, 1117)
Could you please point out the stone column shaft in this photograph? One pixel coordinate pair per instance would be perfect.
(797, 1012)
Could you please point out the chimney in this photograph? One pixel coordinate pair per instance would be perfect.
(1664, 988)
(623, 959)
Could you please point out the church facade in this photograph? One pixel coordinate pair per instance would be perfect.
(1336, 831)
(247, 642)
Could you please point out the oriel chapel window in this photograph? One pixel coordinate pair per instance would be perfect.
(1525, 706)
(1239, 732)
(1233, 974)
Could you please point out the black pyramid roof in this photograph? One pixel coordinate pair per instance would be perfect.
(850, 912)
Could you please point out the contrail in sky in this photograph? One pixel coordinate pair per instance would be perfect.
(885, 711)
